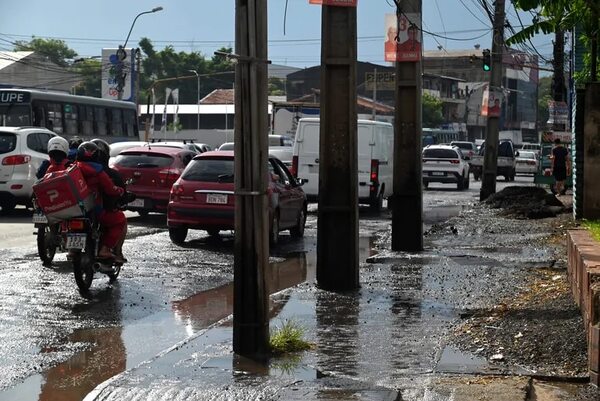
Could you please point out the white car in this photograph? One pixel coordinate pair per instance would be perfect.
(445, 164)
(226, 146)
(527, 162)
(22, 151)
(283, 153)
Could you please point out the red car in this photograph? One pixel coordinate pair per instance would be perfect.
(203, 198)
(151, 171)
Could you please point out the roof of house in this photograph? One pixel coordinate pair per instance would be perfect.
(9, 58)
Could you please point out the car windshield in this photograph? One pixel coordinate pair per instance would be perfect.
(8, 142)
(440, 154)
(463, 145)
(143, 160)
(209, 170)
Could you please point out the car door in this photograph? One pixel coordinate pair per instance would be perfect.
(287, 193)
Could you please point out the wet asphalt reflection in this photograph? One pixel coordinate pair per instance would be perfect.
(57, 345)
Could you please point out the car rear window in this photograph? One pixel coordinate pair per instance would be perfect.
(440, 154)
(8, 142)
(143, 160)
(209, 170)
(462, 145)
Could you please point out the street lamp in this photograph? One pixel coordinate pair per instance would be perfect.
(122, 54)
(198, 96)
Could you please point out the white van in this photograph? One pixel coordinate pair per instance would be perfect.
(375, 159)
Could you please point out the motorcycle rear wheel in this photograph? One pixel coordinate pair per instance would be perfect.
(83, 262)
(46, 243)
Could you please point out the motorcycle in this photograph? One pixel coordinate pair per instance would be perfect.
(82, 240)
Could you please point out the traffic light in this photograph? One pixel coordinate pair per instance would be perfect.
(487, 60)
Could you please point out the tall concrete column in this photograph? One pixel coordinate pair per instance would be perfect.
(337, 232)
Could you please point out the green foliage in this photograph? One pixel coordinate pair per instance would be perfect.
(53, 50)
(544, 95)
(91, 73)
(432, 111)
(214, 73)
(594, 227)
(276, 86)
(287, 338)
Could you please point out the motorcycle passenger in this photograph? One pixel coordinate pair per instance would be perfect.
(101, 185)
(112, 205)
(58, 148)
(73, 146)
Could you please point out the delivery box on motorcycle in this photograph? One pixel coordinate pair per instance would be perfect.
(63, 195)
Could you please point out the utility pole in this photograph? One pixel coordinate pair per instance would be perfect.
(337, 231)
(251, 253)
(490, 158)
(407, 198)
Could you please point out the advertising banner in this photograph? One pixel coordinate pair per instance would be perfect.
(341, 3)
(491, 104)
(403, 37)
(110, 69)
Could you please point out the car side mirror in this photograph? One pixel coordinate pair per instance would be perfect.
(517, 153)
(301, 181)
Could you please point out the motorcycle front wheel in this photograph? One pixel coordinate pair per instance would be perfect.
(83, 265)
(46, 242)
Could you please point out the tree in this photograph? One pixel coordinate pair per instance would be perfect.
(167, 63)
(276, 86)
(91, 74)
(432, 111)
(559, 16)
(53, 50)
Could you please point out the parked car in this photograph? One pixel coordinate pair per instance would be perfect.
(283, 153)
(152, 171)
(527, 162)
(226, 146)
(174, 144)
(468, 149)
(203, 198)
(445, 164)
(118, 147)
(22, 150)
(280, 140)
(534, 147)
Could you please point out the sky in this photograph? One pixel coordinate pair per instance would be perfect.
(204, 26)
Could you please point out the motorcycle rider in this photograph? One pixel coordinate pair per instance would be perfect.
(58, 149)
(112, 205)
(73, 145)
(101, 185)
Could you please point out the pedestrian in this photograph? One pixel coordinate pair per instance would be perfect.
(561, 166)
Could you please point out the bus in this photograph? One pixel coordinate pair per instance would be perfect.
(436, 136)
(69, 115)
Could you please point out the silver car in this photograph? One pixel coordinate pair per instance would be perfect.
(22, 150)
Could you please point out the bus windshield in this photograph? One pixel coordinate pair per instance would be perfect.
(15, 116)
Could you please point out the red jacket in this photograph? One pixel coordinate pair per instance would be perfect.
(58, 166)
(98, 181)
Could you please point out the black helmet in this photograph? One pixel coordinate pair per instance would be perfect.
(75, 142)
(87, 151)
(103, 151)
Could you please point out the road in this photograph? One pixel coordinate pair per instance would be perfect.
(55, 344)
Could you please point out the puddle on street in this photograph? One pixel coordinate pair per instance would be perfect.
(439, 214)
(453, 360)
(110, 351)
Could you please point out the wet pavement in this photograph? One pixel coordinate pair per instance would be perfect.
(163, 331)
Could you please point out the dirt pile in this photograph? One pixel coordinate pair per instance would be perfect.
(526, 202)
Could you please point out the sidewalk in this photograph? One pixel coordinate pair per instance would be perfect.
(398, 337)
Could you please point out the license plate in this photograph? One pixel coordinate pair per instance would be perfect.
(219, 199)
(136, 203)
(76, 241)
(438, 173)
(39, 218)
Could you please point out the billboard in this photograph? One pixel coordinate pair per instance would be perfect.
(110, 67)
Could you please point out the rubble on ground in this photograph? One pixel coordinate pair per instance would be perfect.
(526, 202)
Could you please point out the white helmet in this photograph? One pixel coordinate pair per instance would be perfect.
(58, 143)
